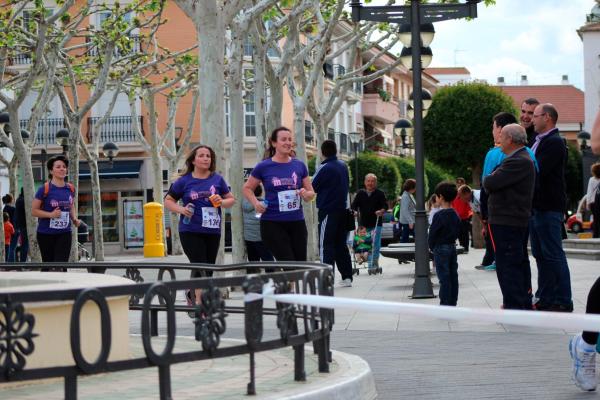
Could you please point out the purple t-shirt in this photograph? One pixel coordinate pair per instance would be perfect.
(281, 182)
(206, 218)
(57, 197)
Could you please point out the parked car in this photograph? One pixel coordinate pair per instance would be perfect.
(387, 229)
(582, 219)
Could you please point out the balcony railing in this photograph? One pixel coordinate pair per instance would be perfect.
(136, 47)
(357, 87)
(20, 59)
(46, 129)
(115, 129)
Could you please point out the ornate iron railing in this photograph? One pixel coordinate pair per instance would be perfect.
(17, 326)
(117, 129)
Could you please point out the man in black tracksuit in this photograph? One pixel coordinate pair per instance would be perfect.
(331, 182)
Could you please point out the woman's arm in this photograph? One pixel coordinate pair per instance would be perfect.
(595, 141)
(228, 200)
(248, 191)
(36, 210)
(171, 205)
(306, 192)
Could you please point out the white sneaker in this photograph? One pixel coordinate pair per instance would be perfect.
(584, 363)
(346, 283)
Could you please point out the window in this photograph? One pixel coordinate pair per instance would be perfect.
(331, 134)
(248, 47)
(249, 110)
(308, 136)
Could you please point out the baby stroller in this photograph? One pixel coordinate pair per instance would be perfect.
(361, 249)
(82, 238)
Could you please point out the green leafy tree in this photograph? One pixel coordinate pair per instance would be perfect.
(457, 129)
(406, 166)
(435, 174)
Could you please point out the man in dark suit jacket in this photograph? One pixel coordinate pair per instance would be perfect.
(549, 203)
(510, 188)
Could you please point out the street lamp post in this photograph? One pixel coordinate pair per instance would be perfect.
(355, 139)
(420, 18)
(587, 157)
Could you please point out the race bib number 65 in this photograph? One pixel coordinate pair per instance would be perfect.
(289, 200)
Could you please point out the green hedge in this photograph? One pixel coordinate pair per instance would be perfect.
(389, 178)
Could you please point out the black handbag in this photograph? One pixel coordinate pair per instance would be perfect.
(350, 221)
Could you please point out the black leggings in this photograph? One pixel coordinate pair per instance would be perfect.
(200, 248)
(596, 214)
(55, 247)
(286, 240)
(592, 307)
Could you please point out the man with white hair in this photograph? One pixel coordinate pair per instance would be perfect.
(371, 204)
(511, 188)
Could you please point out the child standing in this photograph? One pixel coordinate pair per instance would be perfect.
(9, 231)
(362, 244)
(443, 233)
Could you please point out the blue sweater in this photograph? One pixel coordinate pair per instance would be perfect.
(331, 183)
(444, 228)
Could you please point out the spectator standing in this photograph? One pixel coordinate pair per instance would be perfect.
(549, 203)
(9, 208)
(526, 118)
(9, 232)
(255, 248)
(286, 184)
(511, 188)
(465, 213)
(582, 347)
(21, 229)
(407, 210)
(331, 183)
(443, 233)
(203, 193)
(590, 198)
(370, 203)
(53, 206)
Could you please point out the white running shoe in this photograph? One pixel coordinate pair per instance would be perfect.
(346, 283)
(584, 363)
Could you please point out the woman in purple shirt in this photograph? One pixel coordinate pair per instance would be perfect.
(53, 206)
(286, 184)
(202, 193)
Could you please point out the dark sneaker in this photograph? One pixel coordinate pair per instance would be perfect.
(561, 308)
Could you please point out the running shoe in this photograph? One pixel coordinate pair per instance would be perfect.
(491, 267)
(584, 363)
(346, 283)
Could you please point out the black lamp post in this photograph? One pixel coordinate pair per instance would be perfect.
(403, 128)
(419, 17)
(355, 139)
(587, 158)
(62, 139)
(110, 151)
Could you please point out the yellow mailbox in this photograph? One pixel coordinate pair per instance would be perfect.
(153, 230)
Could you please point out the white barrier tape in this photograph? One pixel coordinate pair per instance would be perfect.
(537, 319)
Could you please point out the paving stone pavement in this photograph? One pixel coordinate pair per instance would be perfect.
(424, 358)
(420, 358)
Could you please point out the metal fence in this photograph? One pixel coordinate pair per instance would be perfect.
(17, 326)
(117, 129)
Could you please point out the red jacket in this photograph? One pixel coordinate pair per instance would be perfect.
(462, 208)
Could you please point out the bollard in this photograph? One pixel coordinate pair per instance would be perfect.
(153, 230)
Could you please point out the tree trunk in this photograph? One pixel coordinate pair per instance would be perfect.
(73, 157)
(24, 156)
(13, 179)
(236, 179)
(476, 226)
(98, 227)
(176, 248)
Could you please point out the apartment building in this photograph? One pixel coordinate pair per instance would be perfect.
(370, 109)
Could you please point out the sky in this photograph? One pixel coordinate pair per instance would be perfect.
(537, 38)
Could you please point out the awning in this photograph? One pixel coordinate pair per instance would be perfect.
(119, 169)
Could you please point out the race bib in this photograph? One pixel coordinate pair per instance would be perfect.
(61, 222)
(289, 200)
(210, 218)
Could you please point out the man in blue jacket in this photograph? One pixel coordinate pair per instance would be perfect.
(331, 185)
(549, 203)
